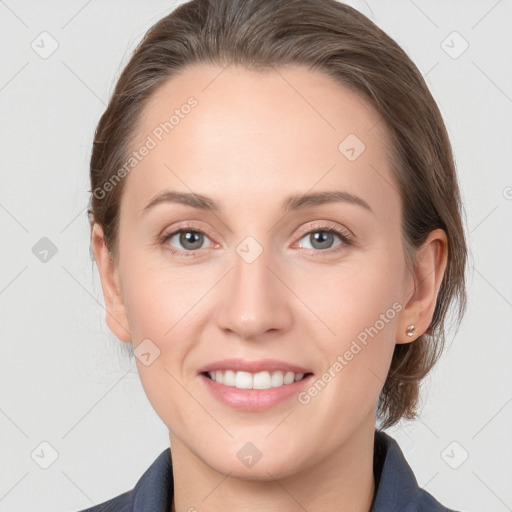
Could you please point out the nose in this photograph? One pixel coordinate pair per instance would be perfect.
(254, 299)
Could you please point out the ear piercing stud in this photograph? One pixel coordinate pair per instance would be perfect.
(410, 330)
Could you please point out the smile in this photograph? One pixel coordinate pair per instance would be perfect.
(260, 380)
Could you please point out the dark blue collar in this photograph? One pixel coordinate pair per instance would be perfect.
(395, 483)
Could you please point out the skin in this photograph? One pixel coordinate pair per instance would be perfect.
(252, 141)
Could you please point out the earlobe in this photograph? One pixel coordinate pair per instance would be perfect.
(429, 269)
(115, 311)
(411, 330)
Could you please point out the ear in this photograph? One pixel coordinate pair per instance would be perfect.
(426, 279)
(116, 317)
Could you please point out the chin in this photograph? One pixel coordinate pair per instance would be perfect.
(249, 463)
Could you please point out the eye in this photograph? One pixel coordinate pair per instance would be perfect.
(322, 236)
(186, 239)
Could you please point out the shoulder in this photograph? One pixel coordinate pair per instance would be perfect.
(152, 493)
(396, 485)
(425, 502)
(121, 503)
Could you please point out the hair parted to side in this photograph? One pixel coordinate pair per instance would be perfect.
(326, 36)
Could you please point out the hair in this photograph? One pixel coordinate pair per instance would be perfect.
(333, 38)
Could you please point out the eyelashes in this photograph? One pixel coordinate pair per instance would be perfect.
(184, 229)
(345, 237)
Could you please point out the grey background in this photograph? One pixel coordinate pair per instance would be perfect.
(64, 377)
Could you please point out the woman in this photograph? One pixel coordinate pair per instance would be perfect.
(242, 137)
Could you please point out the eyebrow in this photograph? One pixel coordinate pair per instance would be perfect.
(292, 203)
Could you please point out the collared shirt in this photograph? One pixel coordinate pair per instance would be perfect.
(396, 487)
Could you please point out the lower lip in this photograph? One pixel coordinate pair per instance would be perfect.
(253, 400)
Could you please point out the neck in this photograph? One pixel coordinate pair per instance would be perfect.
(343, 481)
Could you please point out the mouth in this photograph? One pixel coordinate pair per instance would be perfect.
(254, 385)
(259, 380)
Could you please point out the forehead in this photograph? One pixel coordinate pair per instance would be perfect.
(244, 136)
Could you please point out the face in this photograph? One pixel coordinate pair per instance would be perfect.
(319, 286)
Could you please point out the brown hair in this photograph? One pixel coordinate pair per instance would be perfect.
(326, 36)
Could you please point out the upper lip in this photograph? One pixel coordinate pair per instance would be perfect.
(243, 365)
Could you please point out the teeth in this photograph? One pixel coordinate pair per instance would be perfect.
(261, 380)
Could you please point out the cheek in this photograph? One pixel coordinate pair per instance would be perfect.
(163, 307)
(360, 304)
(159, 299)
(353, 295)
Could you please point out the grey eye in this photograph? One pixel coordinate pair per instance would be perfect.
(321, 239)
(188, 239)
